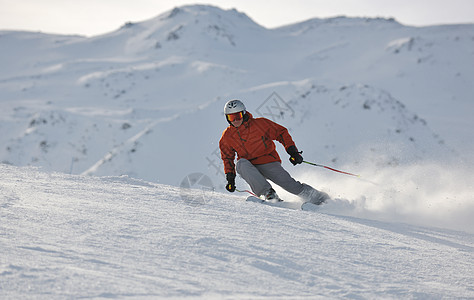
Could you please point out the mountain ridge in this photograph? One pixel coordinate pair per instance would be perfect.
(113, 87)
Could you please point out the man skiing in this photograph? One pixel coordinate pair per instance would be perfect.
(257, 159)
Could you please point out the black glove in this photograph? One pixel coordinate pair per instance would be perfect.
(295, 156)
(230, 186)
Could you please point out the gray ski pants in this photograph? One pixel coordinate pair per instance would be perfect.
(256, 176)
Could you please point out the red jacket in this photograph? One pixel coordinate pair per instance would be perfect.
(253, 140)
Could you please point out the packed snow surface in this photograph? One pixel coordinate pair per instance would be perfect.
(70, 236)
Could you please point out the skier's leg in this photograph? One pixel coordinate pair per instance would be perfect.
(312, 195)
(275, 172)
(257, 182)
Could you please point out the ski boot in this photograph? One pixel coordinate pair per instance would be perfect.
(309, 194)
(272, 196)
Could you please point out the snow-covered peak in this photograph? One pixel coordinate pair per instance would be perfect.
(212, 13)
(340, 23)
(187, 28)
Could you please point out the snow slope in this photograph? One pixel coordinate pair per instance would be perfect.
(69, 236)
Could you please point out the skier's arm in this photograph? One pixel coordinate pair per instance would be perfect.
(280, 133)
(227, 156)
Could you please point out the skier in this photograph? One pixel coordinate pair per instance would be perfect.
(257, 159)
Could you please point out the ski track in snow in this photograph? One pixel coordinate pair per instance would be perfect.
(65, 236)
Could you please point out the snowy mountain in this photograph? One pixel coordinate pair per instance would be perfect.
(146, 100)
(124, 102)
(69, 236)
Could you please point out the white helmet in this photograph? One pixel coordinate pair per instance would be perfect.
(234, 106)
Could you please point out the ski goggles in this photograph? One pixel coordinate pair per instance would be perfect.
(235, 116)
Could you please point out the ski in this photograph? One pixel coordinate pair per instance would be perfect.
(281, 204)
(306, 206)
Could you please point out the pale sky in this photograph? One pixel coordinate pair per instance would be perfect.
(92, 17)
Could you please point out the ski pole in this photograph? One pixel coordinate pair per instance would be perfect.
(247, 191)
(326, 167)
